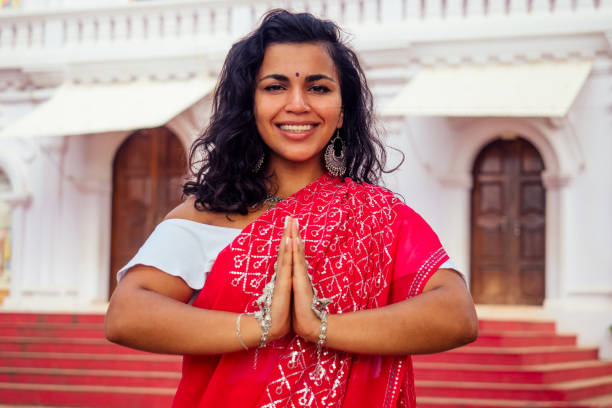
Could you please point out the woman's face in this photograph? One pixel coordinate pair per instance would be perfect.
(298, 105)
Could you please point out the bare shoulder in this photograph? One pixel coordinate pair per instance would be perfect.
(187, 211)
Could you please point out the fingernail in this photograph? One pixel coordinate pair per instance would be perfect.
(288, 241)
(297, 225)
(286, 221)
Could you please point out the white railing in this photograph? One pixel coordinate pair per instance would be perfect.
(67, 23)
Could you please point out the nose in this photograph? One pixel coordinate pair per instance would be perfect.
(296, 101)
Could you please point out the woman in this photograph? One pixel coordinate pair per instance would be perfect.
(321, 283)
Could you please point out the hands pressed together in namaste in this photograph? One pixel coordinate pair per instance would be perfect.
(292, 297)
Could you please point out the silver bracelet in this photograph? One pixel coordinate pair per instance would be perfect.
(319, 306)
(321, 342)
(244, 346)
(263, 315)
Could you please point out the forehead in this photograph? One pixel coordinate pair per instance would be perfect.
(302, 58)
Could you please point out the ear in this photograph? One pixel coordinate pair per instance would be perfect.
(340, 119)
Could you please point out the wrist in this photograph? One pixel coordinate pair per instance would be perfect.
(315, 330)
(251, 331)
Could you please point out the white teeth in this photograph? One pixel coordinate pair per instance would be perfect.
(296, 128)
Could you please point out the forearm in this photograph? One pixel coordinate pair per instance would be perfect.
(431, 322)
(149, 321)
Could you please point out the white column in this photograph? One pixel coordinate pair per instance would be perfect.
(352, 12)
(555, 231)
(370, 11)
(413, 10)
(104, 30)
(316, 7)
(540, 6)
(457, 216)
(334, 11)
(7, 36)
(475, 8)
(120, 29)
(240, 20)
(72, 32)
(433, 9)
(23, 31)
(18, 203)
(391, 11)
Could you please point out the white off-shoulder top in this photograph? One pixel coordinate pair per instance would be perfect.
(188, 249)
(183, 248)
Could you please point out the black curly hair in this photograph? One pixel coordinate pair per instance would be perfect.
(222, 158)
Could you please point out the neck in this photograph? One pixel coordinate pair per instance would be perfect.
(291, 177)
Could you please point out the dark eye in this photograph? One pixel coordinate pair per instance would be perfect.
(319, 89)
(274, 88)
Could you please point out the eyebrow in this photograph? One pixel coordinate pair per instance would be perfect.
(309, 78)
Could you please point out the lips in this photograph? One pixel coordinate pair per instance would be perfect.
(297, 131)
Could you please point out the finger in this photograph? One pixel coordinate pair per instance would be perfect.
(295, 229)
(282, 288)
(287, 240)
(284, 260)
(284, 244)
(299, 244)
(299, 263)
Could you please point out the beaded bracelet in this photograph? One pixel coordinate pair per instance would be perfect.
(321, 342)
(319, 306)
(263, 315)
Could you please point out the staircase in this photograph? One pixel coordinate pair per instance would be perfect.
(514, 364)
(64, 360)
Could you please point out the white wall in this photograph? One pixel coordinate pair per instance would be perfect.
(589, 195)
(439, 156)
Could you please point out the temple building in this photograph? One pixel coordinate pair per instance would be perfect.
(502, 109)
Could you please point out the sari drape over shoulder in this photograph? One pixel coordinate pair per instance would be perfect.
(366, 249)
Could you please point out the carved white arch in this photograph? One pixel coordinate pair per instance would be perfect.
(475, 136)
(561, 165)
(190, 123)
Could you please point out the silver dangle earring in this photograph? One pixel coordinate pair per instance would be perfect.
(257, 166)
(335, 164)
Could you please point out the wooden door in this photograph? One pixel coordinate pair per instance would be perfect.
(148, 172)
(508, 224)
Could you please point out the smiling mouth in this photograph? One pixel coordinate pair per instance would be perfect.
(296, 128)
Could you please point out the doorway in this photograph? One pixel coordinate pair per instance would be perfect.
(508, 224)
(148, 172)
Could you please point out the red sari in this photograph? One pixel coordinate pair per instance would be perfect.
(366, 249)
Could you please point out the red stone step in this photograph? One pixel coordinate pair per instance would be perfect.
(510, 356)
(536, 374)
(163, 379)
(86, 396)
(153, 362)
(438, 402)
(516, 325)
(65, 345)
(565, 391)
(52, 330)
(522, 339)
(8, 317)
